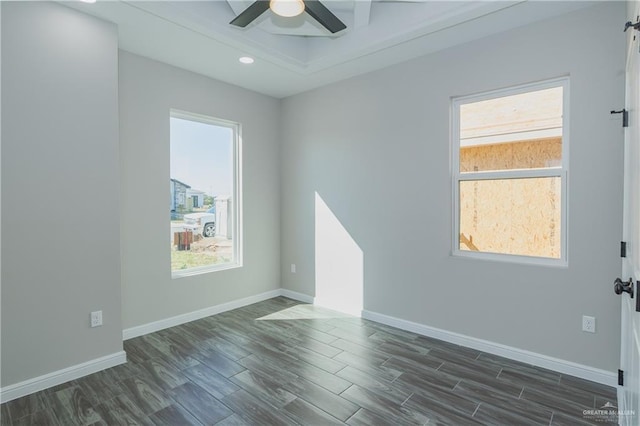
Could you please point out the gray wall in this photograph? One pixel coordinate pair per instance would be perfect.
(60, 189)
(148, 90)
(376, 149)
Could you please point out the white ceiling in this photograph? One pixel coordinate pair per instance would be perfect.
(293, 55)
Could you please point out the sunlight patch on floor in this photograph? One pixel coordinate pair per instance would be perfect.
(305, 312)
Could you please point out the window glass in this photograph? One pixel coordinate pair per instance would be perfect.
(203, 188)
(510, 172)
(511, 216)
(522, 131)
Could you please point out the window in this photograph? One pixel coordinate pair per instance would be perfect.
(204, 194)
(510, 173)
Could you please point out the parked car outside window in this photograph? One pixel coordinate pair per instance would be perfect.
(202, 223)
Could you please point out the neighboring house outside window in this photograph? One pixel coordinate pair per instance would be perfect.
(196, 197)
(178, 195)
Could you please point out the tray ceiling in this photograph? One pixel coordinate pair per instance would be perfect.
(293, 55)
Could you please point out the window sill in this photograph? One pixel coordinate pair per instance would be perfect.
(204, 270)
(511, 258)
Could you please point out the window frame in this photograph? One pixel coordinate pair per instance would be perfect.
(236, 193)
(562, 172)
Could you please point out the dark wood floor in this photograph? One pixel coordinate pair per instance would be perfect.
(282, 362)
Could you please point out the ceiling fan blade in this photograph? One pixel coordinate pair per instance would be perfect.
(323, 15)
(247, 16)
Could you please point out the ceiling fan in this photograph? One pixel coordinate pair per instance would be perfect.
(290, 8)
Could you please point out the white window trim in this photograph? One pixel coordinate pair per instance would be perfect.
(562, 172)
(237, 229)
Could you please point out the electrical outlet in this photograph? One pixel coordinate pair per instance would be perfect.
(293, 268)
(588, 324)
(96, 319)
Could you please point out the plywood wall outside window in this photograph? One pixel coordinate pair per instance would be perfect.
(502, 208)
(534, 154)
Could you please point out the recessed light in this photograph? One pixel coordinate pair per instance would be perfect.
(246, 60)
(88, 1)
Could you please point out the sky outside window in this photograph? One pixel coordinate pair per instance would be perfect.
(201, 156)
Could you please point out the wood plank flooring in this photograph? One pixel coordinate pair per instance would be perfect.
(280, 362)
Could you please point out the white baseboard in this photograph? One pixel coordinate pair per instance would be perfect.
(141, 330)
(551, 363)
(562, 366)
(56, 378)
(300, 297)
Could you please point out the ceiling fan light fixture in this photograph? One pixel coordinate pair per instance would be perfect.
(287, 8)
